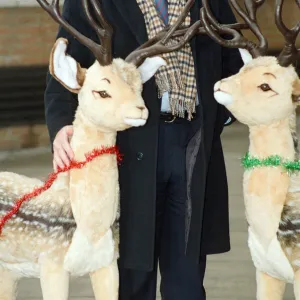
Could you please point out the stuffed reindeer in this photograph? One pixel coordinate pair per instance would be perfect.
(71, 228)
(264, 95)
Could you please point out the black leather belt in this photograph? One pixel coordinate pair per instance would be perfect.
(169, 118)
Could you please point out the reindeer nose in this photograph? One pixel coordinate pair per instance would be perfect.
(217, 86)
(141, 107)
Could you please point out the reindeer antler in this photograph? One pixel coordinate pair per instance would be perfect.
(157, 45)
(213, 28)
(103, 52)
(182, 31)
(290, 53)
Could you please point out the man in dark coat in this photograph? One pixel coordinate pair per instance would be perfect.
(174, 198)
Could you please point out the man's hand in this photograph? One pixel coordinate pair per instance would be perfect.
(62, 149)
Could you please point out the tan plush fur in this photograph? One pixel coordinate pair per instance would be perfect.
(72, 229)
(270, 116)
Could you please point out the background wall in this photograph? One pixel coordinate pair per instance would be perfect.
(266, 19)
(27, 35)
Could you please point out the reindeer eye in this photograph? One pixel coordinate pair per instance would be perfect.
(104, 94)
(265, 87)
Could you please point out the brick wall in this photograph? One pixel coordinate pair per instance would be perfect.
(21, 137)
(26, 36)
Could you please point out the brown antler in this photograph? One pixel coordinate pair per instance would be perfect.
(182, 31)
(213, 28)
(104, 31)
(252, 6)
(157, 45)
(290, 53)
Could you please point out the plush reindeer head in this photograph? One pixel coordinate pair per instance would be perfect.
(267, 88)
(109, 92)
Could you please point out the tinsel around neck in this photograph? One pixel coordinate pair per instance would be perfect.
(89, 157)
(251, 162)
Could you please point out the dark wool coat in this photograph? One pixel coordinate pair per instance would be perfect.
(207, 200)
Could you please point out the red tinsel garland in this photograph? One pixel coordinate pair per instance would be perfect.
(51, 178)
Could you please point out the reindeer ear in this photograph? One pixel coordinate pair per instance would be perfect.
(150, 66)
(246, 56)
(64, 68)
(296, 92)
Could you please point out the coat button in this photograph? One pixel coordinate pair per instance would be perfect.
(139, 156)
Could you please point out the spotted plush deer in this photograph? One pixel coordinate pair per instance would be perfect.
(71, 229)
(263, 95)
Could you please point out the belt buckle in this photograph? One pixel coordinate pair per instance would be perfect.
(172, 121)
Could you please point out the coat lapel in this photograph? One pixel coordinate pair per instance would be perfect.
(132, 14)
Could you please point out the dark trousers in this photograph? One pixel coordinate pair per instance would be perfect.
(181, 279)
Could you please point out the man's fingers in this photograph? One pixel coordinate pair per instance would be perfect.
(69, 130)
(65, 143)
(58, 162)
(63, 157)
(67, 148)
(63, 152)
(54, 165)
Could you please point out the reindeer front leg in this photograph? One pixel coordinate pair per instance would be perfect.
(105, 282)
(8, 285)
(94, 206)
(297, 285)
(269, 288)
(54, 281)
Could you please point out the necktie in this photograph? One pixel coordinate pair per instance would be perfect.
(162, 8)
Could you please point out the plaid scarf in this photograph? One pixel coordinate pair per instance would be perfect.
(178, 77)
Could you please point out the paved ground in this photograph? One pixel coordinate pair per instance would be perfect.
(229, 276)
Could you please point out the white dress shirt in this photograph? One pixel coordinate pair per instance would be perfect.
(165, 105)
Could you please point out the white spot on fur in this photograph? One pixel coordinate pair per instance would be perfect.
(51, 241)
(66, 244)
(295, 222)
(296, 262)
(293, 189)
(286, 232)
(272, 260)
(23, 269)
(84, 257)
(288, 251)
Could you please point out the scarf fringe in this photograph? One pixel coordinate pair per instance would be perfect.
(179, 107)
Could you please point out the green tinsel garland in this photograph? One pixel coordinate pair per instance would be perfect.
(250, 162)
